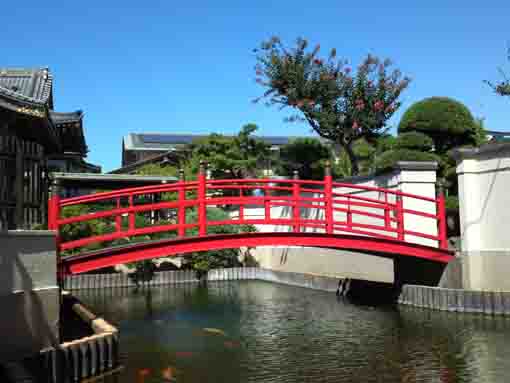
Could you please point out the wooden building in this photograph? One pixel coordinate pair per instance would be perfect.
(34, 139)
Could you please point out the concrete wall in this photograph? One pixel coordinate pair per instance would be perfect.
(29, 295)
(409, 177)
(326, 262)
(484, 184)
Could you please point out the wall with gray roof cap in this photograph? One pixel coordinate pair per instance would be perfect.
(29, 295)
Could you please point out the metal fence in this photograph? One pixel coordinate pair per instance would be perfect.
(23, 184)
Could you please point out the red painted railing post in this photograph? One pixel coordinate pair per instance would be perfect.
(241, 204)
(131, 215)
(349, 213)
(118, 218)
(400, 217)
(387, 219)
(441, 219)
(267, 203)
(54, 211)
(181, 210)
(202, 210)
(328, 198)
(296, 212)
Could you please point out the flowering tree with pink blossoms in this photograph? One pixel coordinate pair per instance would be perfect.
(338, 104)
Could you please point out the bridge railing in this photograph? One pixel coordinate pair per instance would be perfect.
(321, 206)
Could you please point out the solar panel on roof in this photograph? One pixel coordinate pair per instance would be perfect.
(275, 140)
(167, 139)
(175, 139)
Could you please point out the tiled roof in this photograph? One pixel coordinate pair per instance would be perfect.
(70, 126)
(30, 92)
(166, 141)
(33, 86)
(59, 118)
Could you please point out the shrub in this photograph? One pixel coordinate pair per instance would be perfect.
(414, 141)
(387, 160)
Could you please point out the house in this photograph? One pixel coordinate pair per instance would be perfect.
(139, 149)
(34, 140)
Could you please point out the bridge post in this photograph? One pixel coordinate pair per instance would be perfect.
(202, 211)
(54, 205)
(441, 217)
(54, 215)
(296, 194)
(54, 211)
(181, 212)
(118, 218)
(328, 198)
(131, 215)
(400, 217)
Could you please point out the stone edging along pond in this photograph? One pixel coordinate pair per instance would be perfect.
(456, 300)
(94, 281)
(436, 298)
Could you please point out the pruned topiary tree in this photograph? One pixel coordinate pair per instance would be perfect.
(414, 141)
(338, 105)
(447, 122)
(410, 146)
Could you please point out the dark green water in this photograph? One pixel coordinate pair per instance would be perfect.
(276, 333)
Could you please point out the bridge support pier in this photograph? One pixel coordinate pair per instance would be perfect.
(416, 271)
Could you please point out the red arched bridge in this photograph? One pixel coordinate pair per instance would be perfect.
(315, 213)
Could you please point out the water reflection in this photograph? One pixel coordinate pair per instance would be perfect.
(260, 332)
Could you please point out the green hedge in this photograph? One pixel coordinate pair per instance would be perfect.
(387, 160)
(414, 141)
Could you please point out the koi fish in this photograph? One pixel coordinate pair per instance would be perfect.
(231, 344)
(142, 374)
(183, 354)
(169, 374)
(214, 331)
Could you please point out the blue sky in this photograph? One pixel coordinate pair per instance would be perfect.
(169, 66)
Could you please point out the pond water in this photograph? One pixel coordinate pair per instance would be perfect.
(251, 331)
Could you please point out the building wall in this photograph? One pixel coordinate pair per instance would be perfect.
(484, 184)
(132, 156)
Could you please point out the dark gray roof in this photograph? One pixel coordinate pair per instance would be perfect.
(33, 86)
(108, 181)
(165, 141)
(59, 118)
(498, 136)
(172, 156)
(70, 126)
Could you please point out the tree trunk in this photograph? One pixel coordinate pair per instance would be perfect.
(352, 159)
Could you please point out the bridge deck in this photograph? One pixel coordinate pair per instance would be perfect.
(173, 247)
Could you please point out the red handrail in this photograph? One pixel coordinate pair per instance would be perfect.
(385, 213)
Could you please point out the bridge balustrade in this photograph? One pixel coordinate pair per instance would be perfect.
(320, 206)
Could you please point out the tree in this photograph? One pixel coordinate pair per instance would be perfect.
(339, 106)
(448, 122)
(230, 157)
(306, 155)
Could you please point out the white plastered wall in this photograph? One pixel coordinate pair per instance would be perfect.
(484, 199)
